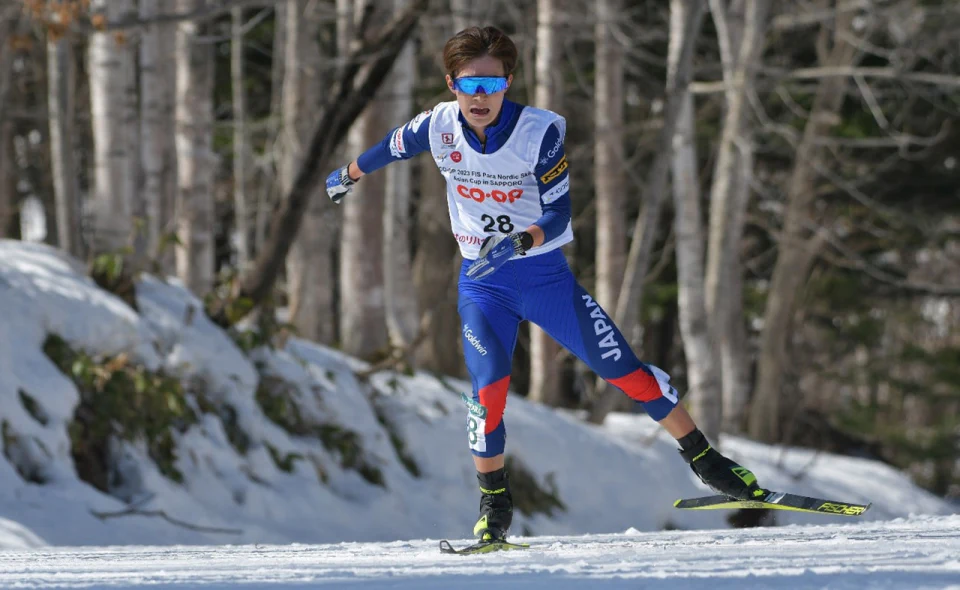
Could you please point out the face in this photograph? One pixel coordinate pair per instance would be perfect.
(480, 109)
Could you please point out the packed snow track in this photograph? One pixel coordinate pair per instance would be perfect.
(914, 553)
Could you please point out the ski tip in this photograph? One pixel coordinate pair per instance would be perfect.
(677, 502)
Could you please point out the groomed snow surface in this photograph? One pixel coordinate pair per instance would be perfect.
(239, 517)
(916, 553)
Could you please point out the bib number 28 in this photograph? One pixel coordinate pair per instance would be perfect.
(501, 224)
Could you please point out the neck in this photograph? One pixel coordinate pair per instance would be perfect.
(481, 133)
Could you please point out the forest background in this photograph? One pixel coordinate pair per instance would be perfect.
(766, 193)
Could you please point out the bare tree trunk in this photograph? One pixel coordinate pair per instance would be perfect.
(630, 298)
(435, 270)
(7, 198)
(157, 133)
(740, 29)
(351, 91)
(310, 273)
(7, 189)
(196, 161)
(463, 12)
(362, 305)
(61, 87)
(702, 361)
(799, 240)
(401, 298)
(268, 193)
(544, 366)
(6, 126)
(115, 165)
(241, 212)
(609, 176)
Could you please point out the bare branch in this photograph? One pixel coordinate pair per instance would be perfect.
(787, 21)
(135, 23)
(134, 511)
(853, 261)
(871, 101)
(818, 73)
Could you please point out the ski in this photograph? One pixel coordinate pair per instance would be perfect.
(774, 501)
(482, 547)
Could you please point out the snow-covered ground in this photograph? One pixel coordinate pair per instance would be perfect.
(623, 475)
(917, 553)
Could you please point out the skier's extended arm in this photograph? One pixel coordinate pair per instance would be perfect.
(553, 181)
(402, 143)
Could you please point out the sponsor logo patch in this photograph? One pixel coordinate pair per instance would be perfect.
(397, 149)
(456, 156)
(556, 171)
(556, 192)
(473, 340)
(556, 147)
(480, 195)
(446, 138)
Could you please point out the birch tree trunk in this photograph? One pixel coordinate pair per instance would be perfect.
(630, 297)
(799, 242)
(157, 132)
(115, 165)
(241, 212)
(362, 306)
(544, 367)
(310, 273)
(401, 297)
(740, 29)
(61, 84)
(702, 362)
(196, 162)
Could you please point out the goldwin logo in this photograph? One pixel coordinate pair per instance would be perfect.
(473, 340)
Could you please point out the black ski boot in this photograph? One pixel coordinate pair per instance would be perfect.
(496, 506)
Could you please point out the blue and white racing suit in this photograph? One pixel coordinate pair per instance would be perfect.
(517, 178)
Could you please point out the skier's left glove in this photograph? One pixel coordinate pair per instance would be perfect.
(496, 250)
(721, 474)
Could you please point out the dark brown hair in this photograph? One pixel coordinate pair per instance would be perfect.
(474, 42)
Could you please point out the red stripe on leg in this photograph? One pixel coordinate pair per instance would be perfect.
(494, 398)
(639, 385)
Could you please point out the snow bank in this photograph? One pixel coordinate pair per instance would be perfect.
(291, 445)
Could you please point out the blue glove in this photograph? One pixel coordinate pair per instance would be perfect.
(339, 184)
(497, 250)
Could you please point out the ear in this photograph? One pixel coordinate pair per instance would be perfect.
(509, 81)
(450, 84)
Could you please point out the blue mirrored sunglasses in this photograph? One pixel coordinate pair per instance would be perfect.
(477, 84)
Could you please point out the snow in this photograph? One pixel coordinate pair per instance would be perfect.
(915, 553)
(239, 509)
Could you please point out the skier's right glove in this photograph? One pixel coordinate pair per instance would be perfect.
(719, 473)
(339, 184)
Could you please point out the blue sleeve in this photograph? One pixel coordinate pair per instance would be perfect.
(402, 143)
(553, 180)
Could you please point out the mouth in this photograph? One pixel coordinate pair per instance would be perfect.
(479, 111)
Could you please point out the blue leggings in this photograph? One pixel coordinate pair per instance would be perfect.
(543, 290)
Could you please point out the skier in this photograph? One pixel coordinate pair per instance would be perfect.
(508, 188)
